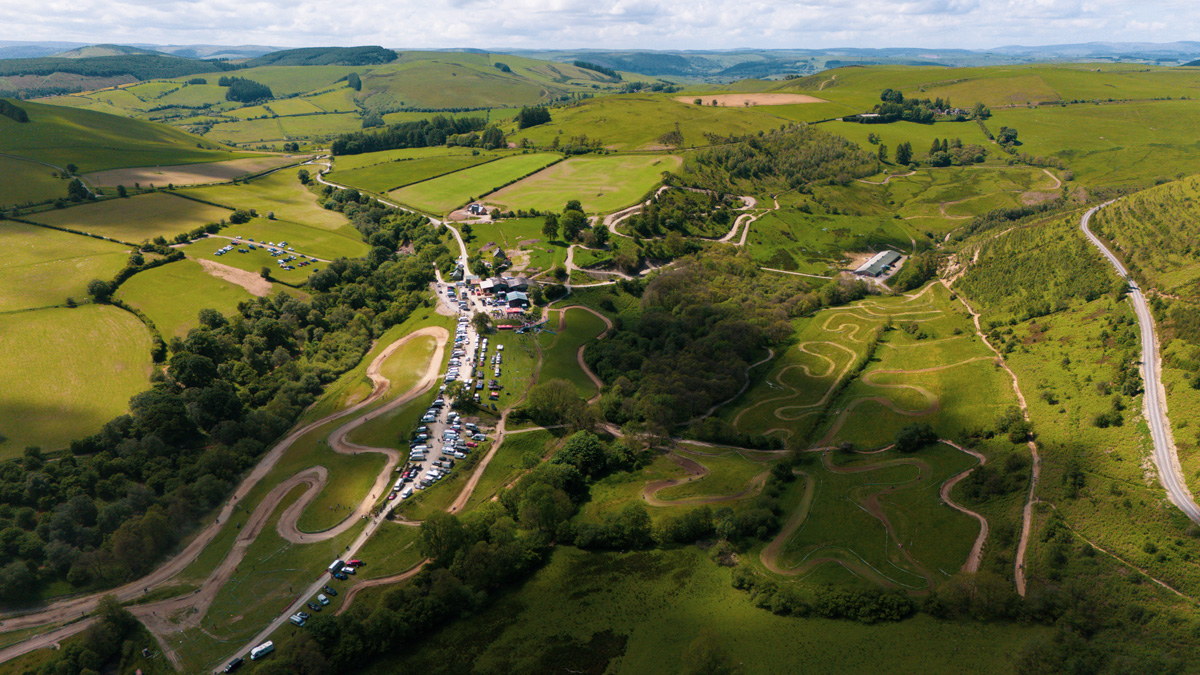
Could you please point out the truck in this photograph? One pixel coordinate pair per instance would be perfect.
(336, 566)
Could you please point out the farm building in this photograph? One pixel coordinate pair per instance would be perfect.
(517, 299)
(879, 263)
(499, 285)
(477, 210)
(519, 283)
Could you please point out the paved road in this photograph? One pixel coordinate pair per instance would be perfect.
(1154, 408)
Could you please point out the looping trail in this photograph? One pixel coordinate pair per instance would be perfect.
(353, 591)
(696, 471)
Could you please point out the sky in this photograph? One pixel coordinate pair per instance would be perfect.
(603, 24)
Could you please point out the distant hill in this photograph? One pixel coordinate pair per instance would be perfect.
(1193, 63)
(326, 56)
(96, 141)
(91, 51)
(48, 76)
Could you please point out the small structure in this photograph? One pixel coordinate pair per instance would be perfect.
(487, 286)
(499, 285)
(476, 210)
(518, 283)
(517, 299)
(879, 264)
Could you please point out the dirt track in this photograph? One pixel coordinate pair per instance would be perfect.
(696, 471)
(254, 283)
(194, 604)
(352, 592)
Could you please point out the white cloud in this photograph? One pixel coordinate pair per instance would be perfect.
(604, 24)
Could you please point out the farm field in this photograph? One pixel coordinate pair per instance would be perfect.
(306, 127)
(43, 267)
(136, 219)
(282, 194)
(601, 184)
(381, 178)
(446, 193)
(566, 618)
(189, 174)
(352, 162)
(58, 385)
(28, 182)
(792, 240)
(96, 141)
(172, 295)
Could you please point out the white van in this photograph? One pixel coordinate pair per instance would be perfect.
(408, 492)
(417, 449)
(262, 650)
(417, 457)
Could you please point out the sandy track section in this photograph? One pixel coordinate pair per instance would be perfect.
(352, 592)
(66, 610)
(250, 281)
(696, 471)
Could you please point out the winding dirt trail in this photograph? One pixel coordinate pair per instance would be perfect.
(887, 179)
(352, 592)
(1027, 512)
(562, 322)
(196, 603)
(696, 471)
(972, 564)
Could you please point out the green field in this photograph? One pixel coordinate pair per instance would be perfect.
(638, 612)
(172, 295)
(347, 163)
(559, 351)
(382, 178)
(280, 193)
(58, 384)
(601, 184)
(136, 219)
(28, 182)
(43, 267)
(814, 243)
(95, 141)
(444, 194)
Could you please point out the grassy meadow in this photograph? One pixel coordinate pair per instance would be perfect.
(559, 361)
(42, 267)
(381, 178)
(601, 184)
(136, 219)
(446, 193)
(28, 182)
(280, 193)
(172, 295)
(58, 384)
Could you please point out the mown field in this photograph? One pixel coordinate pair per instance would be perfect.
(638, 613)
(41, 267)
(446, 193)
(559, 352)
(282, 194)
(382, 178)
(65, 372)
(172, 295)
(136, 219)
(601, 184)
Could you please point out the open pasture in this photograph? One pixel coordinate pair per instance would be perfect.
(282, 194)
(172, 295)
(381, 178)
(351, 162)
(96, 141)
(28, 182)
(791, 240)
(270, 129)
(65, 372)
(136, 219)
(750, 99)
(1123, 144)
(41, 267)
(189, 174)
(601, 184)
(446, 193)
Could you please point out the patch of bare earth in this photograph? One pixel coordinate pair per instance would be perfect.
(1031, 197)
(250, 281)
(190, 174)
(742, 100)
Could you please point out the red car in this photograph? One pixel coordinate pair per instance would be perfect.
(472, 444)
(355, 563)
(391, 496)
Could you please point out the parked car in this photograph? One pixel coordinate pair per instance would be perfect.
(340, 576)
(234, 665)
(314, 606)
(322, 599)
(331, 590)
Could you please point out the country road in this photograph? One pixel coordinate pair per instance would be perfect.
(1155, 405)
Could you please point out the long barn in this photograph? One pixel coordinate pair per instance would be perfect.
(878, 264)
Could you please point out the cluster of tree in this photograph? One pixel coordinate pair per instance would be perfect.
(656, 87)
(717, 430)
(987, 482)
(502, 67)
(531, 117)
(197, 80)
(576, 145)
(140, 66)
(701, 323)
(101, 646)
(914, 437)
(608, 72)
(702, 213)
(106, 512)
(325, 56)
(895, 107)
(1007, 136)
(573, 225)
(354, 81)
(244, 91)
(13, 111)
(917, 271)
(945, 152)
(870, 606)
(780, 159)
(417, 134)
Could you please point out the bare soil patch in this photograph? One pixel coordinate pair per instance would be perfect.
(190, 174)
(742, 100)
(1031, 197)
(247, 280)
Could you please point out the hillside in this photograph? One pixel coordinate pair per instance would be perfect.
(95, 141)
(325, 56)
(92, 51)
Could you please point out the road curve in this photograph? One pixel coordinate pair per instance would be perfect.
(1154, 406)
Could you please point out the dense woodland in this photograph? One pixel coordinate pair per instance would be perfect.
(141, 66)
(688, 212)
(438, 130)
(244, 91)
(125, 496)
(778, 160)
(13, 112)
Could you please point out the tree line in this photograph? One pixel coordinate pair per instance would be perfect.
(588, 65)
(13, 111)
(244, 91)
(416, 134)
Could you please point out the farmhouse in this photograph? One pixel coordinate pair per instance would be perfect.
(476, 210)
(519, 283)
(517, 299)
(880, 263)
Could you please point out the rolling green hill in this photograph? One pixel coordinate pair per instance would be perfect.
(95, 141)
